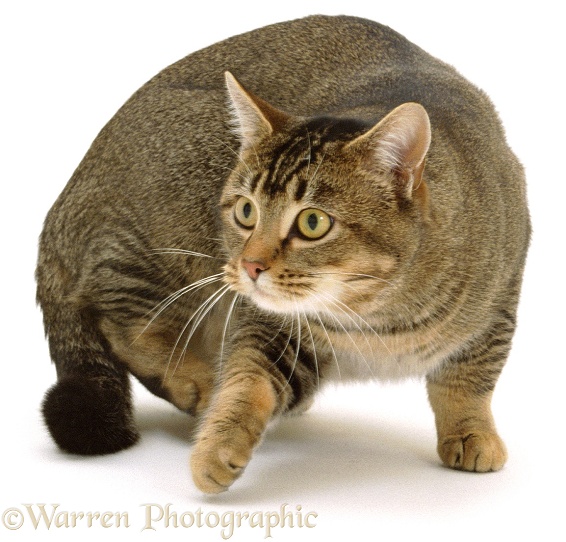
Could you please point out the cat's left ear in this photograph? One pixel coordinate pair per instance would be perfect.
(399, 144)
(254, 117)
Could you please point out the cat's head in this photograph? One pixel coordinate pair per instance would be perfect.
(322, 215)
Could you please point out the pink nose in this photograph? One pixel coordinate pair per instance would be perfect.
(254, 268)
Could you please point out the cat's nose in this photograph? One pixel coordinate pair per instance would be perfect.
(254, 268)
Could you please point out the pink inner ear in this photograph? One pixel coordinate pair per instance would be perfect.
(398, 143)
(402, 138)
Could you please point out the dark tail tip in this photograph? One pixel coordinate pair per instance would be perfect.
(89, 416)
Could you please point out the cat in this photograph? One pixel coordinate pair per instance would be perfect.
(312, 201)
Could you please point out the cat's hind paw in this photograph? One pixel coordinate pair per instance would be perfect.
(474, 452)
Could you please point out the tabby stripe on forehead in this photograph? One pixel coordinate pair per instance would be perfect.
(301, 188)
(256, 180)
(289, 162)
(280, 170)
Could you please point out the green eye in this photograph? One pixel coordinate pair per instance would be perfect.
(313, 223)
(245, 213)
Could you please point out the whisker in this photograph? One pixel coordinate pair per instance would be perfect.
(348, 333)
(169, 300)
(297, 348)
(318, 166)
(362, 275)
(329, 343)
(227, 323)
(283, 322)
(200, 313)
(340, 304)
(204, 310)
(241, 176)
(313, 350)
(310, 152)
(348, 311)
(183, 252)
(235, 153)
(287, 343)
(409, 315)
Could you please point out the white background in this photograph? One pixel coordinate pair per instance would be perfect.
(364, 458)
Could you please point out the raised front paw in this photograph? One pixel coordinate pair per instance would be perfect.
(217, 462)
(231, 430)
(474, 451)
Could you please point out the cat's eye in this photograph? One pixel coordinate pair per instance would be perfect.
(245, 213)
(313, 223)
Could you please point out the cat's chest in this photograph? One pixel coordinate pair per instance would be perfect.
(355, 355)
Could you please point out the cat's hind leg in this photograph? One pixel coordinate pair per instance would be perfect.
(89, 409)
(156, 355)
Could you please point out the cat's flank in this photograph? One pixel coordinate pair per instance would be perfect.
(313, 201)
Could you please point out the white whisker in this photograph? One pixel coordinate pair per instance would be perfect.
(340, 304)
(183, 252)
(169, 300)
(297, 347)
(283, 322)
(241, 176)
(313, 350)
(362, 275)
(310, 152)
(287, 343)
(199, 314)
(237, 154)
(329, 343)
(336, 319)
(317, 167)
(227, 323)
(205, 309)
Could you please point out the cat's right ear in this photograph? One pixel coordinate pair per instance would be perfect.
(398, 144)
(254, 118)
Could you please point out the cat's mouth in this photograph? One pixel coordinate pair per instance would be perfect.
(342, 294)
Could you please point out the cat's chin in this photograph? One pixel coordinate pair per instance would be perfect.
(275, 302)
(271, 302)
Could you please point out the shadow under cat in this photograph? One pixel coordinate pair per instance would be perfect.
(357, 451)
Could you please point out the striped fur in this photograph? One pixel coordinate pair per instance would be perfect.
(145, 269)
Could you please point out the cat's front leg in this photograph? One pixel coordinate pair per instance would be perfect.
(233, 427)
(467, 438)
(460, 394)
(252, 389)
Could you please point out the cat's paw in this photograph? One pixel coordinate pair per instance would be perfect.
(474, 451)
(217, 463)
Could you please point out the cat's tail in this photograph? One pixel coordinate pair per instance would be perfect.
(89, 410)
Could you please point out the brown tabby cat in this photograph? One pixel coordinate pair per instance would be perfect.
(234, 283)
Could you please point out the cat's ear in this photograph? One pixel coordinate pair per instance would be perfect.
(254, 118)
(399, 144)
